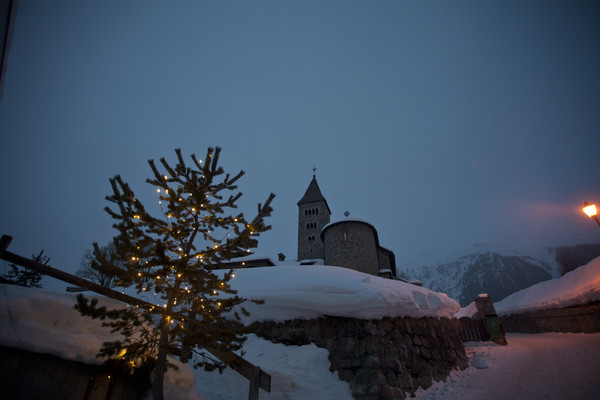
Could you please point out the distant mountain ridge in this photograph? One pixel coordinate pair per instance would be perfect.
(497, 274)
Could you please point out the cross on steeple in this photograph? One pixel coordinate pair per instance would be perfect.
(314, 171)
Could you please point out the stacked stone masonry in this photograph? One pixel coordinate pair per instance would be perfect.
(352, 245)
(380, 359)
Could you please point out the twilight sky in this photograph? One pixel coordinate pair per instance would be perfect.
(449, 125)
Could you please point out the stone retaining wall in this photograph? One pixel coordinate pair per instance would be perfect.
(32, 376)
(583, 318)
(380, 359)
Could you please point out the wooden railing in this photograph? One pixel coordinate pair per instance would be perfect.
(473, 330)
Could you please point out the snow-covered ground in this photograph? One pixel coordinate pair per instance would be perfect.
(547, 366)
(297, 372)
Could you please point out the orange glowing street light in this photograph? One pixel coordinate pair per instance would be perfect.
(590, 210)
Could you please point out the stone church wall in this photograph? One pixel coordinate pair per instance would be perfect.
(380, 359)
(383, 258)
(351, 245)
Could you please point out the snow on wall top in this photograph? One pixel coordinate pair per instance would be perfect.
(45, 322)
(579, 286)
(305, 292)
(468, 311)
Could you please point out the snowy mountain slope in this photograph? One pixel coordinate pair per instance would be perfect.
(497, 274)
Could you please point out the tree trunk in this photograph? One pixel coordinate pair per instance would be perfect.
(161, 361)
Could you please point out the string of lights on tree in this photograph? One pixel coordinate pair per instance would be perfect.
(172, 257)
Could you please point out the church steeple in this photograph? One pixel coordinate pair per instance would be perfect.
(313, 215)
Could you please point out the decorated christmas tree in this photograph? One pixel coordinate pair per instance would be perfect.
(172, 258)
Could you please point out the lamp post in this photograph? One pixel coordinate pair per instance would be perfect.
(590, 210)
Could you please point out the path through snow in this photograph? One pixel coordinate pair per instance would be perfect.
(548, 366)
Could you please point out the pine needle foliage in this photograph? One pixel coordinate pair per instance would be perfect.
(172, 256)
(24, 276)
(100, 265)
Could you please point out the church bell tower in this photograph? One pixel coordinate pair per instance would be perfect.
(313, 215)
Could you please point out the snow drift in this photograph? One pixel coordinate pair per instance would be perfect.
(306, 292)
(577, 287)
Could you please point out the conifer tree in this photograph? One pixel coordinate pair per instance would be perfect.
(173, 255)
(100, 265)
(25, 276)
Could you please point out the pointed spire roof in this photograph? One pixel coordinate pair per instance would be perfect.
(313, 194)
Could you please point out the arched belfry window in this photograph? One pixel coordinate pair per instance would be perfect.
(311, 211)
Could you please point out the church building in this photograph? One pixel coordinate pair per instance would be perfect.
(349, 243)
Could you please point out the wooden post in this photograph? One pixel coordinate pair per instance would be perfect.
(237, 363)
(254, 384)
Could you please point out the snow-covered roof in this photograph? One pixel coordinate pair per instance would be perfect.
(340, 221)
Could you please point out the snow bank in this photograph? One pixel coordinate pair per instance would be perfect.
(45, 322)
(306, 292)
(468, 311)
(577, 287)
(297, 372)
